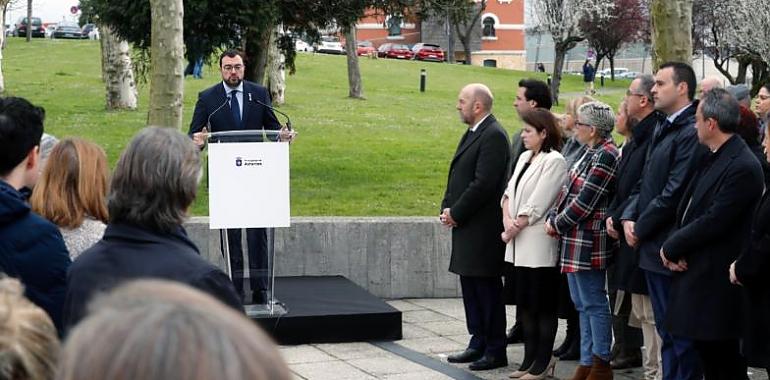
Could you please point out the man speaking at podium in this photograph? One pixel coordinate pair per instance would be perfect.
(236, 104)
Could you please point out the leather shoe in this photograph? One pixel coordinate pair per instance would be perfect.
(488, 362)
(515, 334)
(467, 356)
(627, 361)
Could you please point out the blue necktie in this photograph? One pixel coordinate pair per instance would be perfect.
(235, 108)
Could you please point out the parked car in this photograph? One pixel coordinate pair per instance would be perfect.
(330, 45)
(38, 31)
(90, 31)
(397, 51)
(627, 75)
(300, 45)
(364, 48)
(70, 31)
(428, 52)
(618, 72)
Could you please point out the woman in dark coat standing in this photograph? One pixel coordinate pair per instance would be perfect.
(750, 270)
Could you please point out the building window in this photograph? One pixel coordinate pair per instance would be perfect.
(489, 27)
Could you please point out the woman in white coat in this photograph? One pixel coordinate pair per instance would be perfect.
(537, 178)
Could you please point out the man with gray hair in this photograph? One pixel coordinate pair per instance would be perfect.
(708, 84)
(471, 208)
(153, 185)
(650, 214)
(632, 300)
(712, 229)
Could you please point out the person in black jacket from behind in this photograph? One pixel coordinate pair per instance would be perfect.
(628, 278)
(751, 271)
(31, 248)
(153, 185)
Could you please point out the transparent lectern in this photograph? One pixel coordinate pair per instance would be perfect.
(249, 188)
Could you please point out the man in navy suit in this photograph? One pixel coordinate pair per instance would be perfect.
(236, 104)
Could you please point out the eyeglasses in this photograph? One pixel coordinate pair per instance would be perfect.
(232, 67)
(629, 93)
(579, 124)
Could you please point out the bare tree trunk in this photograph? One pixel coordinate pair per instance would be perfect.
(355, 85)
(167, 72)
(450, 42)
(117, 71)
(3, 7)
(558, 66)
(29, 20)
(743, 65)
(275, 71)
(611, 58)
(671, 31)
(256, 51)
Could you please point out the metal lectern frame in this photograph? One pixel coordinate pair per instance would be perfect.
(272, 307)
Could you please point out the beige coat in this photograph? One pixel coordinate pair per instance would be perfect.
(534, 196)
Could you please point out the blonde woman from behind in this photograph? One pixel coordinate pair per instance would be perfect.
(29, 345)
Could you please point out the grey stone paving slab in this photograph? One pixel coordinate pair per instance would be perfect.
(445, 328)
(349, 351)
(386, 365)
(402, 305)
(304, 354)
(411, 331)
(422, 316)
(424, 375)
(334, 370)
(431, 345)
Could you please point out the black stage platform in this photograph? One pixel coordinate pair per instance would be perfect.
(329, 309)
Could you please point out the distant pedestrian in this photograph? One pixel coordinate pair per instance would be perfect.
(589, 74)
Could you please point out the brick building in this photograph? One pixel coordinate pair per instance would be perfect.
(498, 40)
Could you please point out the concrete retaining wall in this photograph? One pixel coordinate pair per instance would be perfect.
(391, 257)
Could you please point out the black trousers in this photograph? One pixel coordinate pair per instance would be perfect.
(256, 248)
(721, 359)
(485, 314)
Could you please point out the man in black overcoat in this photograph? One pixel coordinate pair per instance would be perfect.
(713, 226)
(471, 208)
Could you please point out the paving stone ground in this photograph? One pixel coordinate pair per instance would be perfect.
(433, 329)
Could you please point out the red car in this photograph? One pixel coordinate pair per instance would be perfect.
(428, 52)
(364, 48)
(396, 51)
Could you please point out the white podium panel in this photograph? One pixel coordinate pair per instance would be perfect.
(249, 185)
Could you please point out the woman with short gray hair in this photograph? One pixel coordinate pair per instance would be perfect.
(577, 221)
(153, 185)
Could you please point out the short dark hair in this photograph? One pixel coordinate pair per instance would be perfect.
(683, 73)
(538, 91)
(720, 105)
(21, 127)
(232, 53)
(543, 120)
(155, 180)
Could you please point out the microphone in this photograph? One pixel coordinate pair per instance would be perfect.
(208, 121)
(288, 121)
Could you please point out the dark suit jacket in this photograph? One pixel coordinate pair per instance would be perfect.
(129, 253)
(753, 271)
(713, 225)
(254, 116)
(627, 274)
(32, 250)
(477, 179)
(670, 161)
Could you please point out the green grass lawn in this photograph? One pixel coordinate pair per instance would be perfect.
(386, 155)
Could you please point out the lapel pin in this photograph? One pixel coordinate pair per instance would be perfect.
(249, 96)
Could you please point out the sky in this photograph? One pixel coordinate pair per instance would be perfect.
(47, 10)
